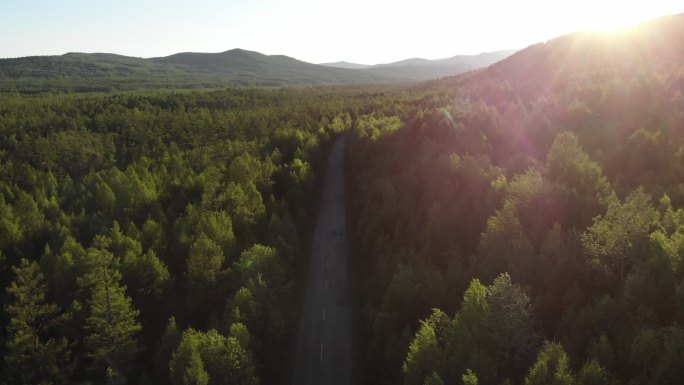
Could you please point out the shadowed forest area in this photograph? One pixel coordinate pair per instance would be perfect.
(519, 224)
(524, 224)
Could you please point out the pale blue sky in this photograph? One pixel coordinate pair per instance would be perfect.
(364, 31)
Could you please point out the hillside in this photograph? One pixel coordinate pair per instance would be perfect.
(608, 85)
(652, 48)
(524, 223)
(103, 72)
(248, 67)
(237, 67)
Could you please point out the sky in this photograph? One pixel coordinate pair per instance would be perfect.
(317, 31)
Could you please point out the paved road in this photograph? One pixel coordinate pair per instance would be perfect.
(324, 353)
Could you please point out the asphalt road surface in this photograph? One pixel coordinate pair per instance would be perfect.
(324, 352)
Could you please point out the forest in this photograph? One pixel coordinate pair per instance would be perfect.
(158, 237)
(525, 224)
(519, 224)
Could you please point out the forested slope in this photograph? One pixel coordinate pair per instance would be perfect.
(83, 72)
(525, 223)
(101, 72)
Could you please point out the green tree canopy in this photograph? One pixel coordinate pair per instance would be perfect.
(33, 356)
(213, 359)
(617, 237)
(552, 367)
(111, 325)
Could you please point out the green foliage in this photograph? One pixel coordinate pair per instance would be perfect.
(492, 333)
(617, 237)
(244, 308)
(539, 170)
(210, 358)
(568, 164)
(424, 354)
(260, 262)
(32, 355)
(205, 262)
(503, 246)
(164, 351)
(111, 324)
(669, 236)
(668, 369)
(592, 373)
(151, 198)
(514, 338)
(195, 373)
(548, 178)
(146, 274)
(469, 378)
(552, 367)
(373, 127)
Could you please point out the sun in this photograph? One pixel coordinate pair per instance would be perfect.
(611, 17)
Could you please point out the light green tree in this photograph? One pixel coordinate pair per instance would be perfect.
(592, 373)
(469, 378)
(213, 359)
(424, 355)
(551, 368)
(616, 237)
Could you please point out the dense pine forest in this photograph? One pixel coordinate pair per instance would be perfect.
(519, 224)
(525, 223)
(156, 237)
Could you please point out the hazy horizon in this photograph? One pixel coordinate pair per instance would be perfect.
(249, 50)
(312, 31)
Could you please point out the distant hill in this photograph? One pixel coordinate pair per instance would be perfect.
(412, 62)
(611, 88)
(237, 67)
(424, 69)
(480, 60)
(654, 47)
(347, 65)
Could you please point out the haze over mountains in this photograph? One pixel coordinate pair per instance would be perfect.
(424, 69)
(237, 67)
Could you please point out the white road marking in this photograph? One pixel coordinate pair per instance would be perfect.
(323, 314)
(321, 352)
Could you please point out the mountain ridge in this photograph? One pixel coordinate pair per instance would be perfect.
(656, 44)
(419, 61)
(78, 71)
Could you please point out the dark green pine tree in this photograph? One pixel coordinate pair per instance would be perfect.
(162, 355)
(32, 357)
(112, 323)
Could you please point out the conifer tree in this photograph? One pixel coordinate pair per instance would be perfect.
(111, 324)
(552, 367)
(162, 356)
(32, 357)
